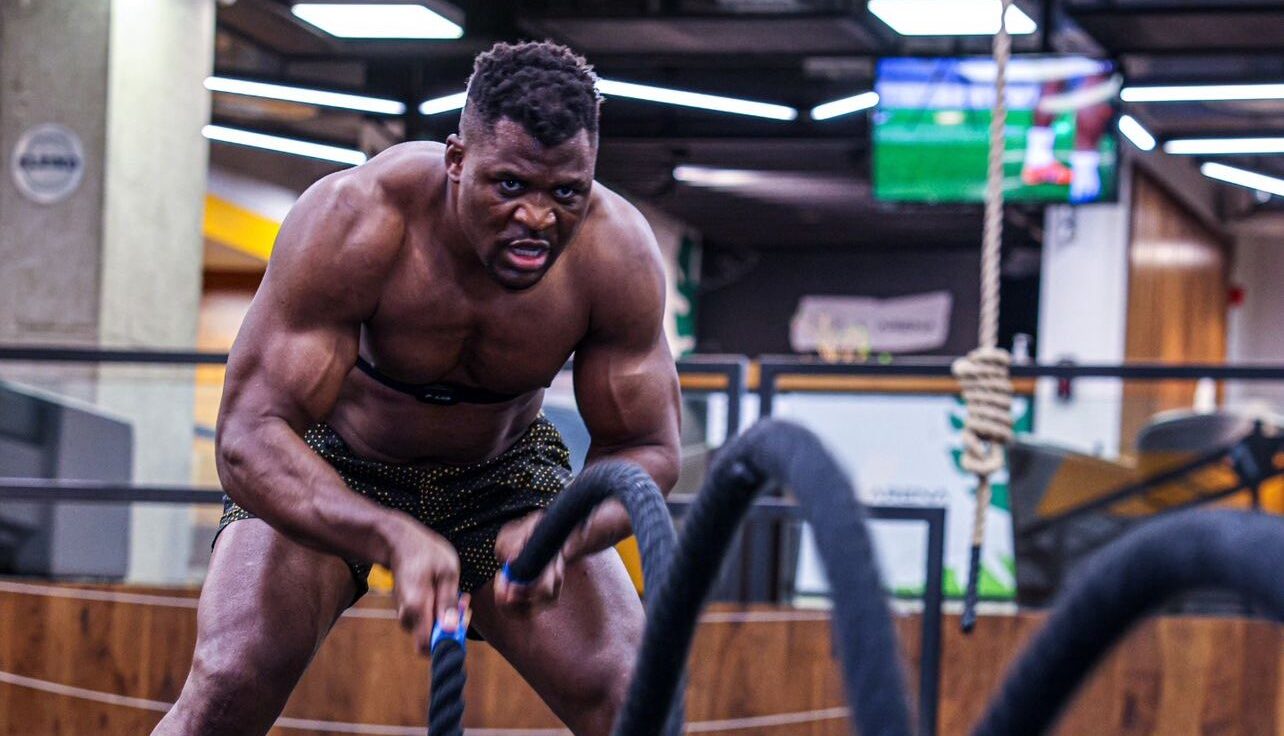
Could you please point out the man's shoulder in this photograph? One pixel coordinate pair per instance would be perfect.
(624, 263)
(351, 224)
(407, 169)
(394, 176)
(619, 229)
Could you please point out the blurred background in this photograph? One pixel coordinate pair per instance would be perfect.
(814, 173)
(813, 170)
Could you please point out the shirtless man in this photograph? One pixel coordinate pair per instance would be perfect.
(382, 405)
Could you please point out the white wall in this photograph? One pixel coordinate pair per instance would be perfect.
(1083, 314)
(266, 199)
(1255, 329)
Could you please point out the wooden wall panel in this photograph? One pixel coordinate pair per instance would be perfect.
(1172, 677)
(1177, 283)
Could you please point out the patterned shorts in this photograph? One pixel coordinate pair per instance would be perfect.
(466, 504)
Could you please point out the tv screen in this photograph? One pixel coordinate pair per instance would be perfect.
(932, 130)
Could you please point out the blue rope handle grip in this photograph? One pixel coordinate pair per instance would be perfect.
(446, 704)
(508, 575)
(460, 634)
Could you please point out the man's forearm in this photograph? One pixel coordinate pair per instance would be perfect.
(660, 461)
(611, 523)
(273, 474)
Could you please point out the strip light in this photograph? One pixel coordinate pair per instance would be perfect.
(283, 145)
(717, 103)
(844, 106)
(305, 96)
(1135, 132)
(1243, 178)
(616, 88)
(377, 20)
(443, 104)
(708, 176)
(1223, 146)
(950, 17)
(1203, 93)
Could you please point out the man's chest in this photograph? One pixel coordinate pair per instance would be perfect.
(440, 333)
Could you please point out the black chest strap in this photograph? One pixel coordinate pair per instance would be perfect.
(441, 394)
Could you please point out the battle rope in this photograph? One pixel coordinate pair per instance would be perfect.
(775, 451)
(1122, 583)
(657, 540)
(983, 373)
(446, 702)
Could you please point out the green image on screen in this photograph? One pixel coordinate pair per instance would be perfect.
(932, 131)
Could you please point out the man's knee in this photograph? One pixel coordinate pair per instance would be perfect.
(604, 688)
(235, 691)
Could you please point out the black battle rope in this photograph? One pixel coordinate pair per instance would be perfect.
(1122, 583)
(652, 525)
(863, 635)
(446, 704)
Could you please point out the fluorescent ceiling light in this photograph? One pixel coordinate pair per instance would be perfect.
(950, 17)
(443, 104)
(1026, 69)
(611, 87)
(377, 21)
(1252, 180)
(305, 96)
(283, 145)
(1224, 146)
(1133, 131)
(1203, 93)
(707, 176)
(833, 109)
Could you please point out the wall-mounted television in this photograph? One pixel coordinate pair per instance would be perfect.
(932, 129)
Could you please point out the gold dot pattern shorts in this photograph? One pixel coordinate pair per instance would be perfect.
(466, 504)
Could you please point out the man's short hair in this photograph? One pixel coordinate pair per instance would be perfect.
(543, 86)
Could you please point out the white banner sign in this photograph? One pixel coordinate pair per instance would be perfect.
(852, 323)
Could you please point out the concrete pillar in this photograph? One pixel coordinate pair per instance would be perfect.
(116, 262)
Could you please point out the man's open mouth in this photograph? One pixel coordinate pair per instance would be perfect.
(527, 255)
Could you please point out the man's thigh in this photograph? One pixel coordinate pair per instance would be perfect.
(266, 605)
(578, 654)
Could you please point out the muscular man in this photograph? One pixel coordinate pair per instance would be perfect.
(383, 398)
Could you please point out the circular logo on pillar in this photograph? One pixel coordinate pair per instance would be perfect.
(48, 163)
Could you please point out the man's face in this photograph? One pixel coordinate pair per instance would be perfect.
(520, 202)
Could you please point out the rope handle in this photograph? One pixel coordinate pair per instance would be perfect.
(458, 634)
(448, 649)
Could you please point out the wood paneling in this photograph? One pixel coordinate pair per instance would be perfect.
(1170, 677)
(1177, 284)
(1173, 676)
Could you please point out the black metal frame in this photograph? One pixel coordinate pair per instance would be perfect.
(772, 367)
(730, 367)
(929, 681)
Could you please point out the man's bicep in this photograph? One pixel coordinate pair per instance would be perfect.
(300, 337)
(284, 369)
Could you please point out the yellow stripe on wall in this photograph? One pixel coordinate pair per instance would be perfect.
(632, 556)
(238, 228)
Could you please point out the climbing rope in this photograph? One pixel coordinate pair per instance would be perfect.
(983, 373)
(775, 452)
(1234, 550)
